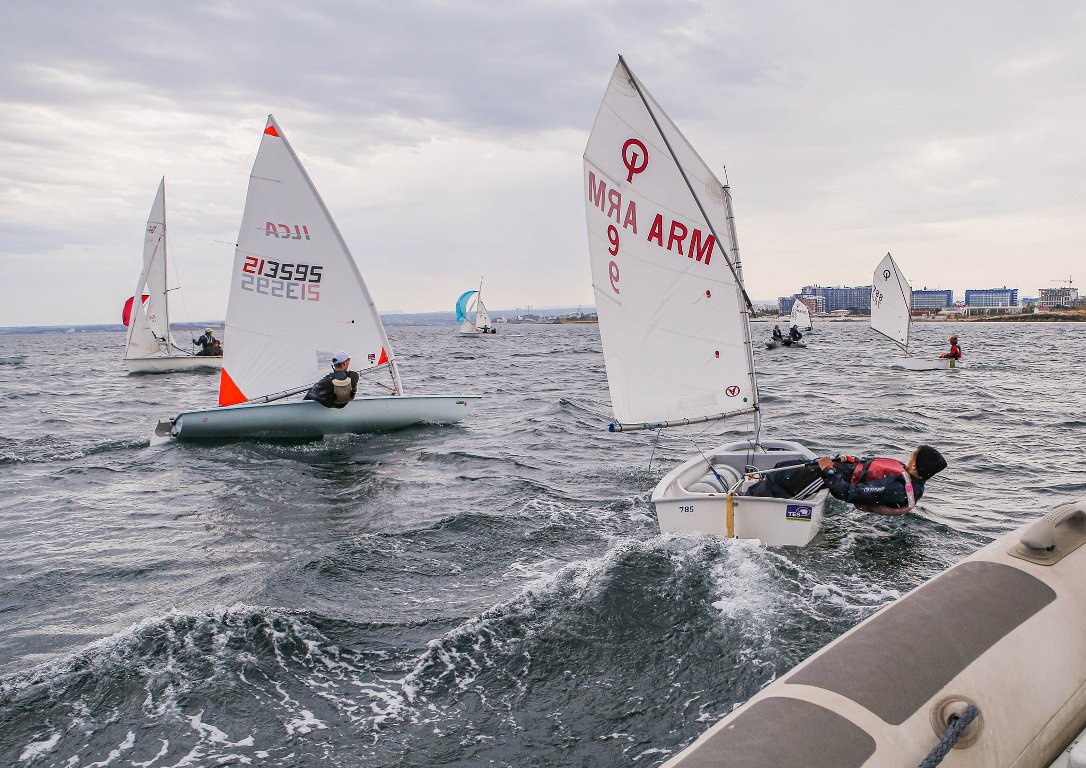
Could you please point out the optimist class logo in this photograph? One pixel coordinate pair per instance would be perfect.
(635, 157)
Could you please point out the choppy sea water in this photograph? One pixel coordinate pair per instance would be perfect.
(495, 593)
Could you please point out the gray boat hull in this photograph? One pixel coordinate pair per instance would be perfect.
(309, 419)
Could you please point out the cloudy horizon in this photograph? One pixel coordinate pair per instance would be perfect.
(446, 140)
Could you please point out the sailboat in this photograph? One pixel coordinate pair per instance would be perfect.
(149, 345)
(296, 296)
(891, 315)
(674, 318)
(472, 315)
(800, 316)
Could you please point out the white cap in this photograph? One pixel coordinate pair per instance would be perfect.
(340, 357)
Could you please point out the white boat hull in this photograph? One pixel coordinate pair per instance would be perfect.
(1003, 633)
(910, 363)
(172, 364)
(686, 503)
(310, 419)
(12, 359)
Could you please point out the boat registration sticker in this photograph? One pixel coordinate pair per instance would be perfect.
(799, 512)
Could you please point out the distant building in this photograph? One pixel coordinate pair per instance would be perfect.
(817, 304)
(991, 297)
(925, 299)
(1057, 297)
(857, 299)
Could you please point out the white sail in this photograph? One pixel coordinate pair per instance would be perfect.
(296, 295)
(148, 324)
(891, 302)
(801, 315)
(672, 311)
(482, 317)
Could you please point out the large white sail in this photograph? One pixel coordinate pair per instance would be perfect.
(672, 311)
(296, 295)
(148, 325)
(891, 302)
(801, 315)
(482, 317)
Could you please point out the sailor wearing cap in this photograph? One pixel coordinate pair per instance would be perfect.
(209, 345)
(337, 388)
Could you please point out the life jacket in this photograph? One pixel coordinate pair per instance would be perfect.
(955, 352)
(342, 389)
(876, 469)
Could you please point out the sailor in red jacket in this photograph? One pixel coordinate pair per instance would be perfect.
(880, 485)
(955, 352)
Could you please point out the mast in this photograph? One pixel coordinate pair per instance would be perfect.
(746, 308)
(166, 272)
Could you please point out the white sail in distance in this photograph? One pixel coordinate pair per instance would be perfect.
(148, 324)
(801, 315)
(671, 308)
(891, 302)
(296, 294)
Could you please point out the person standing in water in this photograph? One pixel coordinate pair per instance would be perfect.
(955, 352)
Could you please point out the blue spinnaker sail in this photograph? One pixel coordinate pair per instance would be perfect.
(462, 305)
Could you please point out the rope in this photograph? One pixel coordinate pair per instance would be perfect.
(954, 731)
(655, 442)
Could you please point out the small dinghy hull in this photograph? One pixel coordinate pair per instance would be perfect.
(174, 364)
(309, 419)
(690, 499)
(911, 363)
(1004, 630)
(12, 359)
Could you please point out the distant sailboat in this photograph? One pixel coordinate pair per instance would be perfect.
(800, 316)
(472, 315)
(296, 296)
(149, 345)
(674, 317)
(891, 315)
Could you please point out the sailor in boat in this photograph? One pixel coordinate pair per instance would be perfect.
(879, 485)
(955, 352)
(777, 335)
(337, 388)
(208, 344)
(794, 334)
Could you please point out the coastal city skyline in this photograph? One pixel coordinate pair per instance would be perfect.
(447, 140)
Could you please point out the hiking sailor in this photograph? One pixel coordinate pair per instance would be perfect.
(879, 485)
(337, 388)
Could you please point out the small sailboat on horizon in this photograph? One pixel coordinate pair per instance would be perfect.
(150, 346)
(891, 315)
(472, 315)
(296, 297)
(674, 318)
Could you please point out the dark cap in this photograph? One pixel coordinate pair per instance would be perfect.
(929, 462)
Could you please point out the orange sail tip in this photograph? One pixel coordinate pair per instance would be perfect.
(270, 130)
(229, 394)
(384, 357)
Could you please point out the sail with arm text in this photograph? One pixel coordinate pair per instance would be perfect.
(669, 296)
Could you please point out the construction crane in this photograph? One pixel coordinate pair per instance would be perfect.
(1069, 281)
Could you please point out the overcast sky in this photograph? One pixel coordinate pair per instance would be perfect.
(446, 139)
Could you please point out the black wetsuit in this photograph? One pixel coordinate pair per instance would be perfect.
(209, 346)
(806, 478)
(324, 391)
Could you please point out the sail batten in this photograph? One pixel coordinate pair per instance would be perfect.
(891, 302)
(671, 305)
(296, 294)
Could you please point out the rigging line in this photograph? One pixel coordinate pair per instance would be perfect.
(659, 433)
(682, 172)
